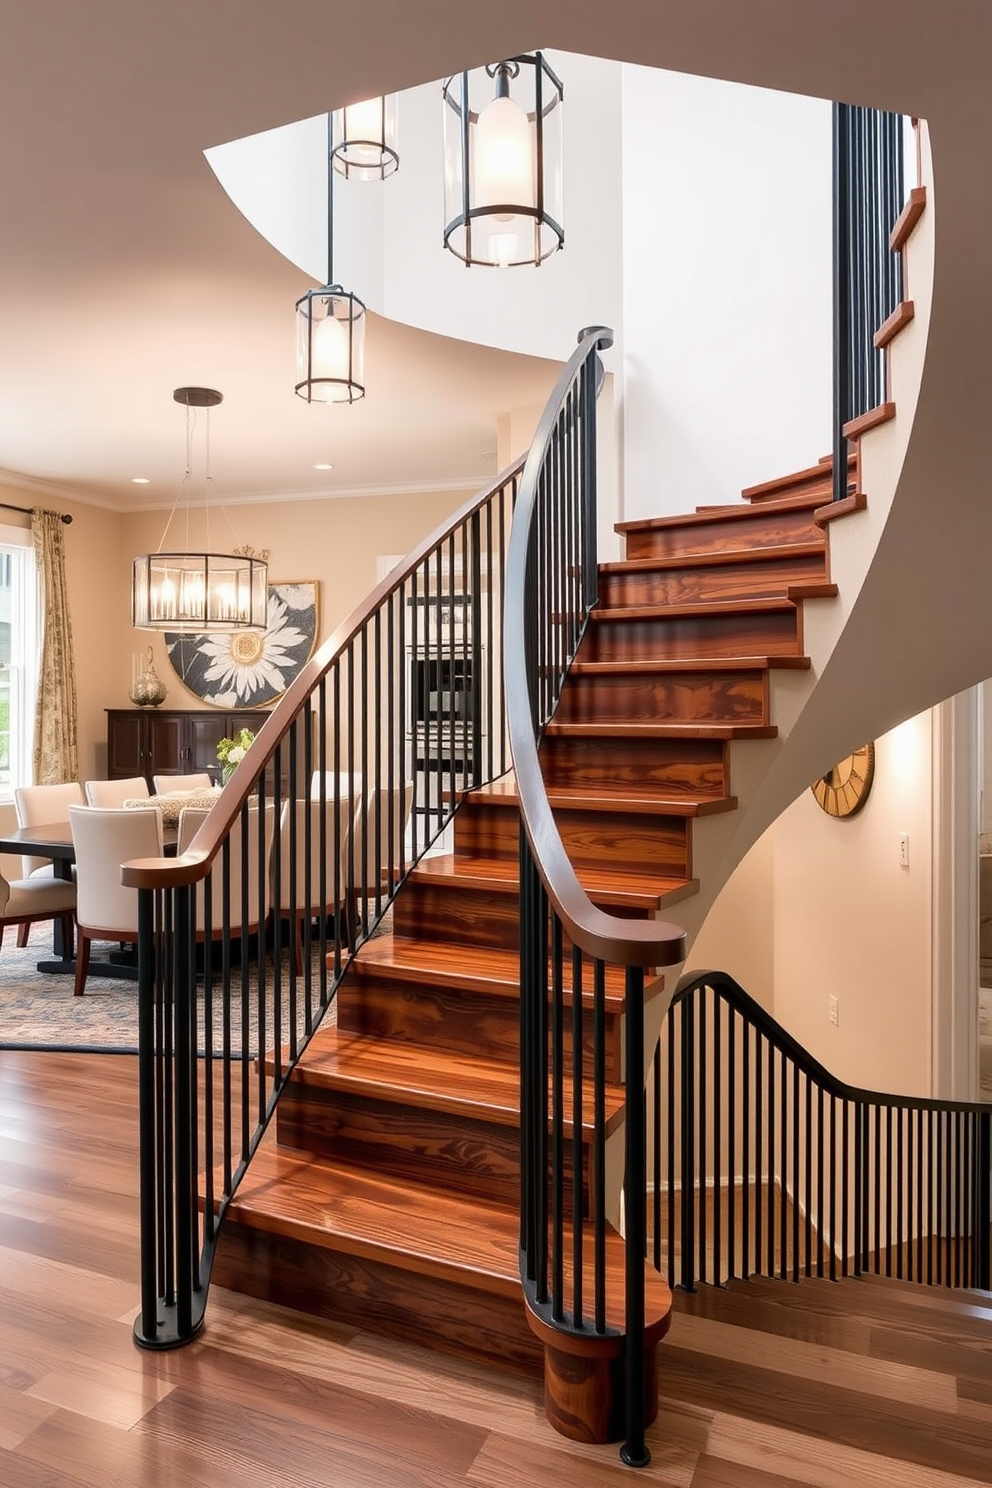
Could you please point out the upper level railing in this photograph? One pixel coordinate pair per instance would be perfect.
(551, 587)
(867, 199)
(245, 936)
(763, 1163)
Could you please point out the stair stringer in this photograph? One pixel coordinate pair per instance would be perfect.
(816, 727)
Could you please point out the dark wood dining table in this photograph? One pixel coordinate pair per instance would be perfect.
(54, 841)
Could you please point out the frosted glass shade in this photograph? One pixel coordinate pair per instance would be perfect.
(190, 592)
(366, 133)
(503, 163)
(330, 346)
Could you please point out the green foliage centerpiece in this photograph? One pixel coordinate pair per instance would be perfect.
(231, 752)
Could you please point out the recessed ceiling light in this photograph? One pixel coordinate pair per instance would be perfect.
(139, 480)
(322, 465)
(487, 455)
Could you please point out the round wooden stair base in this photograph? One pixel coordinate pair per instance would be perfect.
(584, 1386)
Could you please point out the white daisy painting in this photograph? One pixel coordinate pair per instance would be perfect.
(249, 668)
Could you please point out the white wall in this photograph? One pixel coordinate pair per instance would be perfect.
(822, 907)
(727, 288)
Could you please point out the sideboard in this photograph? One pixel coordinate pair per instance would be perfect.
(160, 741)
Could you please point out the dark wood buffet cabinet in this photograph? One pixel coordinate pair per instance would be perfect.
(156, 741)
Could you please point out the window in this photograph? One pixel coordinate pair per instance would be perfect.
(19, 631)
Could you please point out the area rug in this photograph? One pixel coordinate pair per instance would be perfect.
(39, 1011)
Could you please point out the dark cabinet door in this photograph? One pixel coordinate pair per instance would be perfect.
(167, 744)
(126, 745)
(205, 732)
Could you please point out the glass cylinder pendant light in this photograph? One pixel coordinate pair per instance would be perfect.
(197, 591)
(503, 163)
(330, 326)
(366, 139)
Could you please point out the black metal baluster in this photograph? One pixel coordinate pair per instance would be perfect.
(795, 1171)
(578, 1180)
(688, 1146)
(731, 1143)
(820, 1210)
(599, 1146)
(832, 1232)
(634, 1451)
(700, 1185)
(759, 1042)
(844, 1169)
(674, 1279)
(746, 1147)
(717, 1134)
(557, 1124)
(888, 1190)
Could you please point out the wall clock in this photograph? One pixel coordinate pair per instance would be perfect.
(844, 789)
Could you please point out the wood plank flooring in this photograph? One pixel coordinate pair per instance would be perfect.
(765, 1385)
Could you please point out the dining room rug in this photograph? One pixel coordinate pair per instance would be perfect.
(38, 1010)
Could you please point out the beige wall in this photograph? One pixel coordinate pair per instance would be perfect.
(822, 907)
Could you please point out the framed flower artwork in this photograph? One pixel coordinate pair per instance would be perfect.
(250, 668)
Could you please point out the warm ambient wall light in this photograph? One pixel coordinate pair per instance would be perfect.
(503, 163)
(192, 592)
(330, 326)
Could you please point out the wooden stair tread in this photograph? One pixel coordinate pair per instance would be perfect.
(720, 558)
(661, 730)
(430, 1231)
(702, 516)
(466, 967)
(606, 885)
(758, 606)
(908, 218)
(503, 792)
(672, 666)
(478, 1088)
(821, 472)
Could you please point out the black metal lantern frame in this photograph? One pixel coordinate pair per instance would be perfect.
(330, 326)
(366, 135)
(503, 179)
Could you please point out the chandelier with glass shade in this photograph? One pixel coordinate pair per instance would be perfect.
(191, 591)
(502, 129)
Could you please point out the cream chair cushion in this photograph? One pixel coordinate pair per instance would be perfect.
(171, 784)
(242, 852)
(115, 792)
(41, 806)
(104, 838)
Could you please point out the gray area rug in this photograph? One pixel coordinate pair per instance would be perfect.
(39, 1011)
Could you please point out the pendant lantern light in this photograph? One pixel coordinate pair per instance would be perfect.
(366, 136)
(330, 326)
(503, 163)
(197, 591)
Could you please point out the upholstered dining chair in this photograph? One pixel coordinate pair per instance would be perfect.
(115, 792)
(299, 900)
(24, 901)
(104, 838)
(384, 812)
(39, 806)
(244, 852)
(168, 784)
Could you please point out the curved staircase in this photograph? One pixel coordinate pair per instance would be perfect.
(389, 1197)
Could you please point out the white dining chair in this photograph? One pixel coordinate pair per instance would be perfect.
(24, 901)
(244, 852)
(167, 785)
(104, 838)
(298, 899)
(115, 792)
(379, 824)
(41, 806)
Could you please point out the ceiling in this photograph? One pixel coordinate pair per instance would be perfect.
(126, 271)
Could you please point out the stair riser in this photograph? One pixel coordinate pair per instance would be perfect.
(698, 697)
(448, 1314)
(635, 841)
(699, 585)
(659, 639)
(667, 768)
(765, 531)
(468, 1022)
(450, 1150)
(465, 915)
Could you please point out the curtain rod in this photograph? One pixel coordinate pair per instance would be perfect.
(6, 506)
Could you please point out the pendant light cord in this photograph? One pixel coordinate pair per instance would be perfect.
(330, 199)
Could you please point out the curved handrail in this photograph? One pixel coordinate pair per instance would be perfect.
(601, 935)
(195, 863)
(786, 1044)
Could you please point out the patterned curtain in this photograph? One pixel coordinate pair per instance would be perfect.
(55, 751)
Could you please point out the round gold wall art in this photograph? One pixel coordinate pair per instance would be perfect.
(250, 668)
(844, 789)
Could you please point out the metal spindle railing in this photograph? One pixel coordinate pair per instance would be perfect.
(868, 196)
(838, 1181)
(246, 935)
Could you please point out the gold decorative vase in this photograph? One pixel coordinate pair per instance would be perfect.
(147, 687)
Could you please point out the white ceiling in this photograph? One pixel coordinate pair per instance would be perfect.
(125, 270)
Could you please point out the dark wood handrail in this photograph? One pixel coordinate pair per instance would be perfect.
(195, 863)
(601, 935)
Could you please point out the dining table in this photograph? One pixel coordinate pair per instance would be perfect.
(54, 841)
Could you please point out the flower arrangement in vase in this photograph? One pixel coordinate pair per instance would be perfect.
(231, 752)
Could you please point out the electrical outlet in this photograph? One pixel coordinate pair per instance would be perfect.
(835, 1012)
(904, 849)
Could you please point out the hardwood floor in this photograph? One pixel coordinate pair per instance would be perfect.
(765, 1385)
